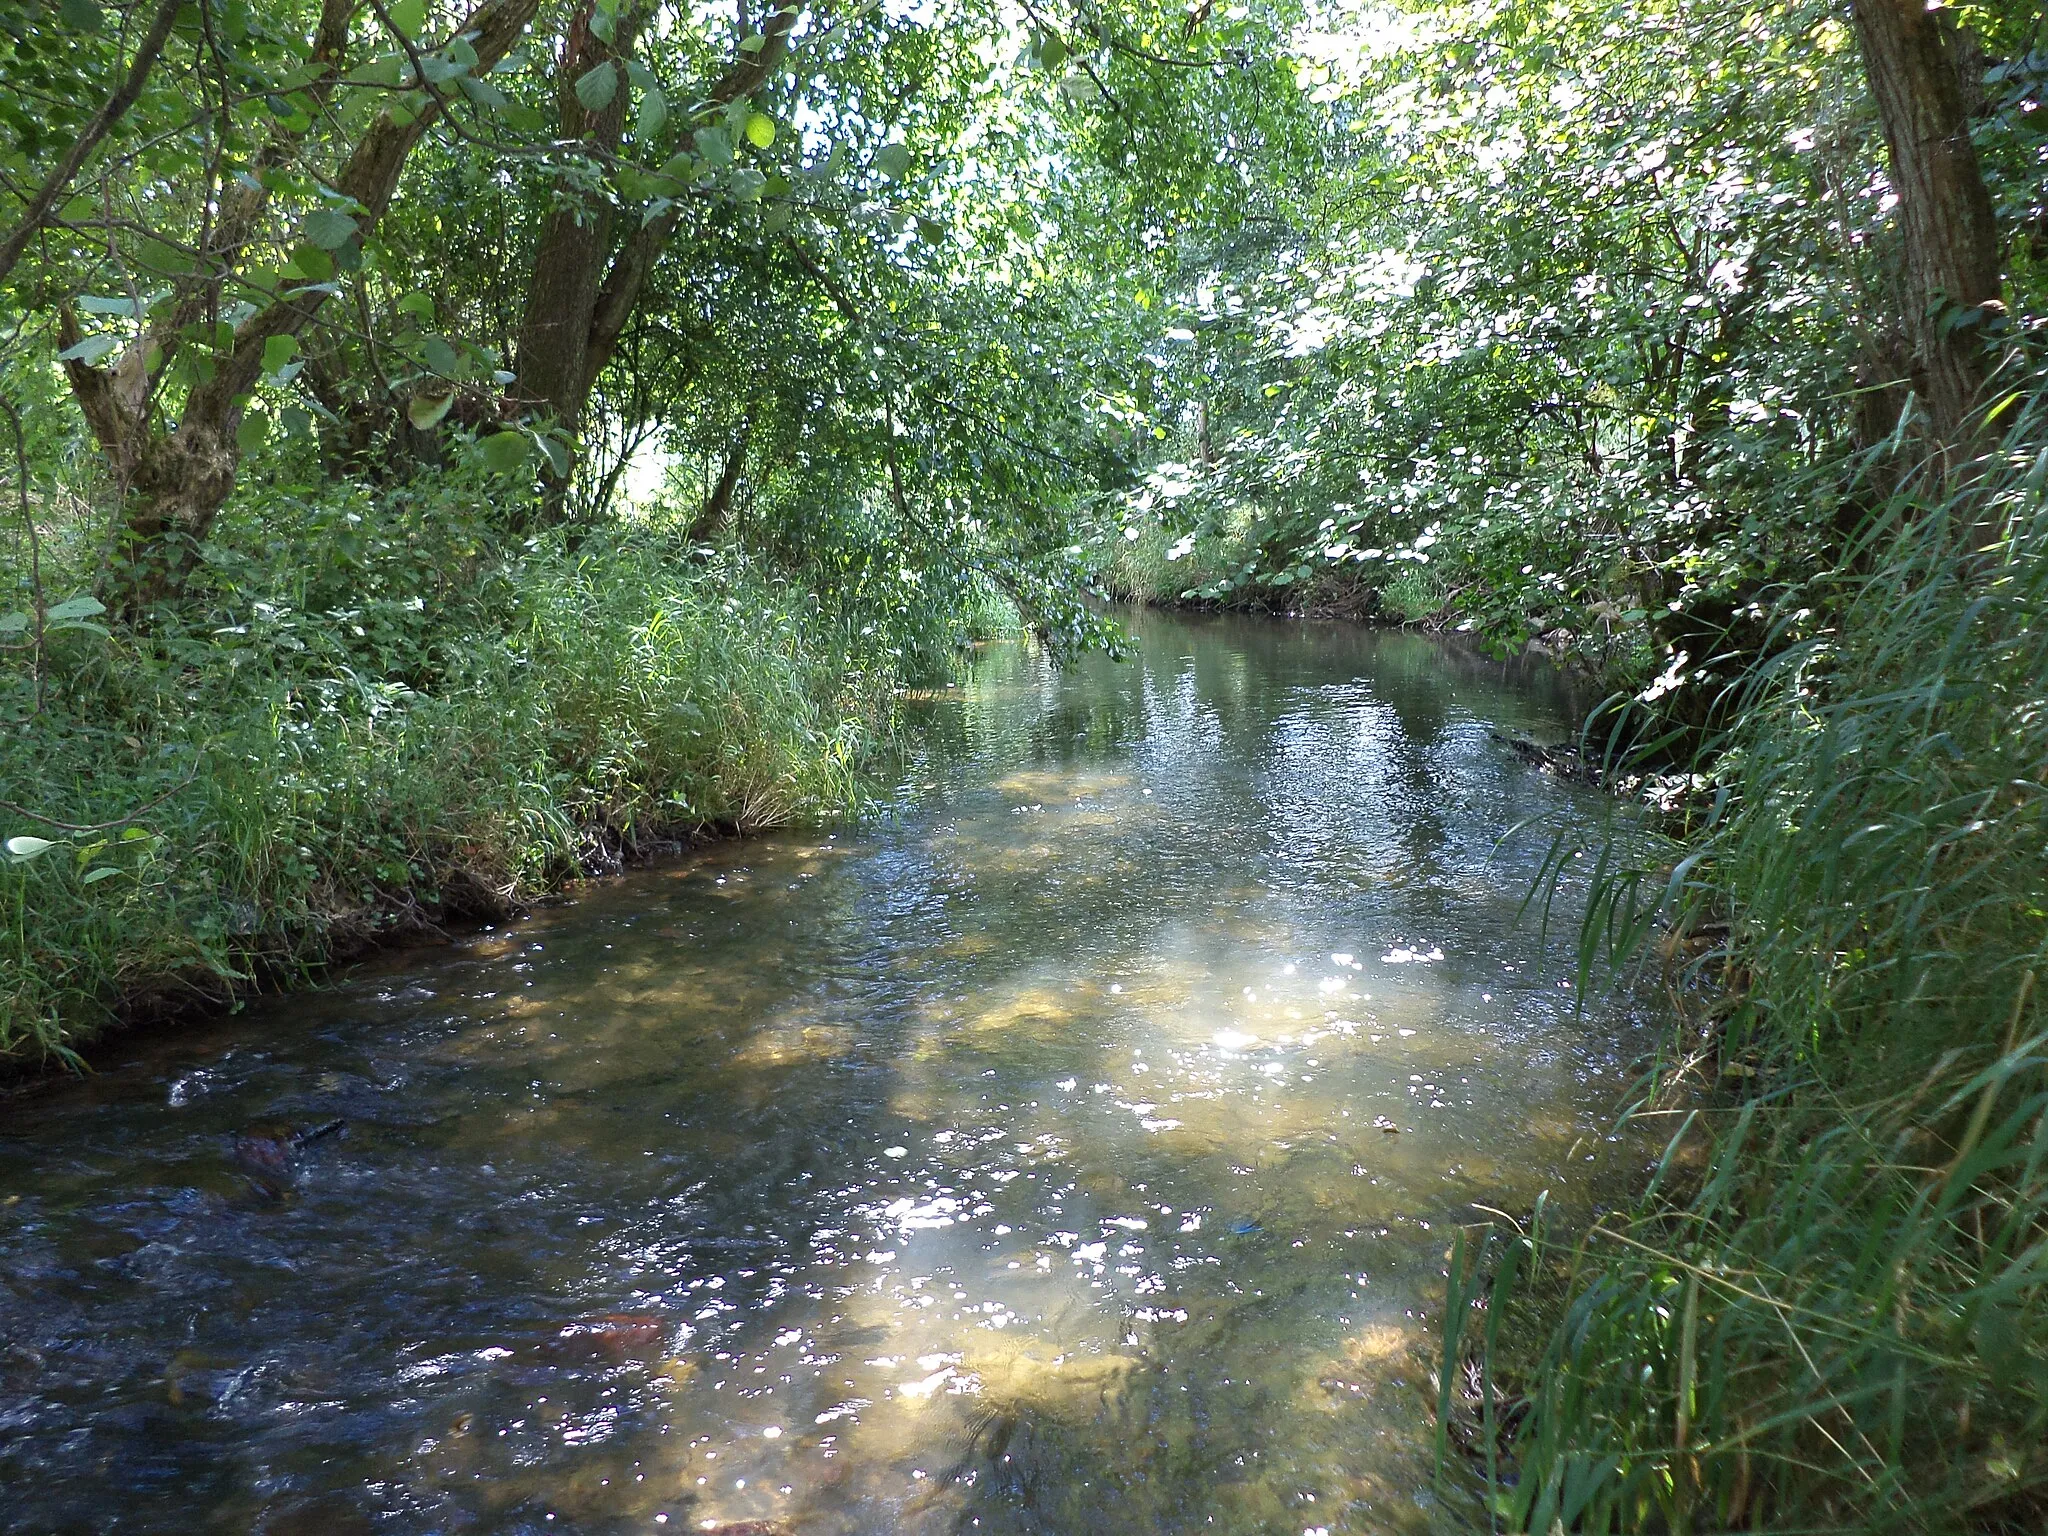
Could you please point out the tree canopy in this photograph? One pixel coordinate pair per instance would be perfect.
(1546, 309)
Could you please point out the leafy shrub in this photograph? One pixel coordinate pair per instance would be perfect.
(1840, 1320)
(420, 719)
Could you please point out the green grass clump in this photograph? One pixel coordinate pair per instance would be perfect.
(1158, 568)
(1413, 595)
(425, 719)
(1830, 1311)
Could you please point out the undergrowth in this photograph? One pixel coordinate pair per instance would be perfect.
(1829, 1310)
(426, 718)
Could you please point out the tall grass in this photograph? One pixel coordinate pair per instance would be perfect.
(1829, 1312)
(310, 759)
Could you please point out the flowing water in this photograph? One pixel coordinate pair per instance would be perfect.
(1071, 1147)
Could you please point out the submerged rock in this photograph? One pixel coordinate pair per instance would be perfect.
(270, 1149)
(611, 1335)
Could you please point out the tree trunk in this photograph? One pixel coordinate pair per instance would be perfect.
(720, 500)
(619, 281)
(1953, 262)
(576, 236)
(176, 480)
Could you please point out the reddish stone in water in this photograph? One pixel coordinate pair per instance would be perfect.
(267, 1152)
(614, 1335)
(271, 1148)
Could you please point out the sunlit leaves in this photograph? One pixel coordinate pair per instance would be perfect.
(425, 412)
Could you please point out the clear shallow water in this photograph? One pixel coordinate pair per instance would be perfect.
(1071, 1148)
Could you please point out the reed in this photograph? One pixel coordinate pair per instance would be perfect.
(1829, 1310)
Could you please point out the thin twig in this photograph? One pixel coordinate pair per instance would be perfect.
(35, 547)
(99, 826)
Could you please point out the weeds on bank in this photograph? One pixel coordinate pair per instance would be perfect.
(419, 721)
(1835, 1316)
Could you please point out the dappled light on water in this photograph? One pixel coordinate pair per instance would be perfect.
(1072, 1149)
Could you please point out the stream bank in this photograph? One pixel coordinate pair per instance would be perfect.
(1072, 1145)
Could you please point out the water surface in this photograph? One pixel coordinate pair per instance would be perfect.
(1073, 1147)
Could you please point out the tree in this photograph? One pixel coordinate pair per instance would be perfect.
(1953, 262)
(167, 412)
(584, 285)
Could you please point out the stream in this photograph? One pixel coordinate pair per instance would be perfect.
(1072, 1145)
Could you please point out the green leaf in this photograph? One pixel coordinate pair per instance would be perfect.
(1080, 88)
(312, 263)
(95, 876)
(20, 850)
(483, 93)
(557, 453)
(596, 87)
(76, 608)
(425, 411)
(714, 146)
(92, 304)
(504, 453)
(15, 623)
(253, 432)
(82, 14)
(90, 350)
(278, 351)
(653, 112)
(893, 160)
(441, 357)
(420, 304)
(409, 16)
(329, 228)
(760, 130)
(747, 184)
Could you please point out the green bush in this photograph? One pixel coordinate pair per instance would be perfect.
(421, 719)
(1838, 1319)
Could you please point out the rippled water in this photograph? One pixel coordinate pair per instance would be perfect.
(1070, 1149)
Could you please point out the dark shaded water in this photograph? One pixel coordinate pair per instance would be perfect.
(1070, 1149)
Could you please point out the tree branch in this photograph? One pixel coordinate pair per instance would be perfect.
(110, 112)
(629, 270)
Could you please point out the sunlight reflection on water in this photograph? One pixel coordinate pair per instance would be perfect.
(1069, 1150)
